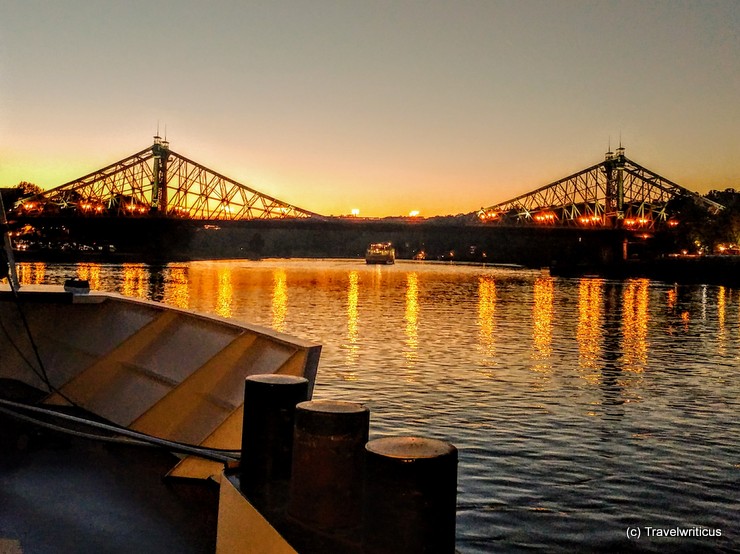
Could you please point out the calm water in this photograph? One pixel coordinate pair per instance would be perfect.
(580, 407)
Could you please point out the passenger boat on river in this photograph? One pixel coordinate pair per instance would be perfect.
(380, 253)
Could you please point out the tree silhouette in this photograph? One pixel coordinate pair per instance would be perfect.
(28, 189)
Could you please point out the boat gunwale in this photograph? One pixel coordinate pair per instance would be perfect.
(57, 294)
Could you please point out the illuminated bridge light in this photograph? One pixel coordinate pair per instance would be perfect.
(545, 217)
(636, 222)
(487, 215)
(173, 181)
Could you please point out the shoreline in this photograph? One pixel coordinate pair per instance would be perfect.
(720, 270)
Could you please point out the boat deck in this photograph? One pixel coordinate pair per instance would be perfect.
(62, 494)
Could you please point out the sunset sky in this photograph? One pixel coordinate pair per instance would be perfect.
(436, 106)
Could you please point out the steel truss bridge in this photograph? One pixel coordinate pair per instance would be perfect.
(616, 193)
(162, 182)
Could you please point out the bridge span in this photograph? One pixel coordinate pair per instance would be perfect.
(156, 181)
(159, 205)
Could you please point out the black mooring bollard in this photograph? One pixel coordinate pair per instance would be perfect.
(410, 496)
(267, 431)
(328, 456)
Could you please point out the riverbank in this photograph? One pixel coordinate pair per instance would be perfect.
(680, 269)
(689, 270)
(160, 240)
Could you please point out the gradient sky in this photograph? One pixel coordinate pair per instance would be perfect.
(437, 106)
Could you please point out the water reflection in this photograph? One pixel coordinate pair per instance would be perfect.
(487, 319)
(411, 316)
(674, 302)
(542, 323)
(597, 435)
(589, 330)
(721, 305)
(600, 333)
(135, 280)
(31, 273)
(90, 273)
(279, 299)
(39, 270)
(635, 325)
(672, 298)
(225, 295)
(177, 289)
(353, 295)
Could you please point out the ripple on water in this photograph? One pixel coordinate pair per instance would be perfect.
(579, 406)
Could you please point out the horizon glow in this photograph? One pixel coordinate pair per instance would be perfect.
(393, 107)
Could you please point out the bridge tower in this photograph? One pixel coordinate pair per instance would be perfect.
(613, 168)
(620, 160)
(160, 182)
(161, 151)
(616, 193)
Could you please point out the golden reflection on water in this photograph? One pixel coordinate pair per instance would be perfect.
(378, 276)
(721, 306)
(91, 273)
(225, 295)
(412, 316)
(31, 273)
(487, 318)
(589, 330)
(635, 325)
(39, 270)
(672, 298)
(23, 270)
(279, 299)
(353, 295)
(542, 312)
(177, 290)
(135, 280)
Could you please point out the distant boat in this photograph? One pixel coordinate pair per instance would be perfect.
(380, 253)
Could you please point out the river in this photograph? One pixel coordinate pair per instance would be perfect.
(585, 411)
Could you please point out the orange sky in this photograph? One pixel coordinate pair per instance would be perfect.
(386, 108)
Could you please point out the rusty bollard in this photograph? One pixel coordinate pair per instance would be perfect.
(328, 457)
(410, 496)
(267, 433)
